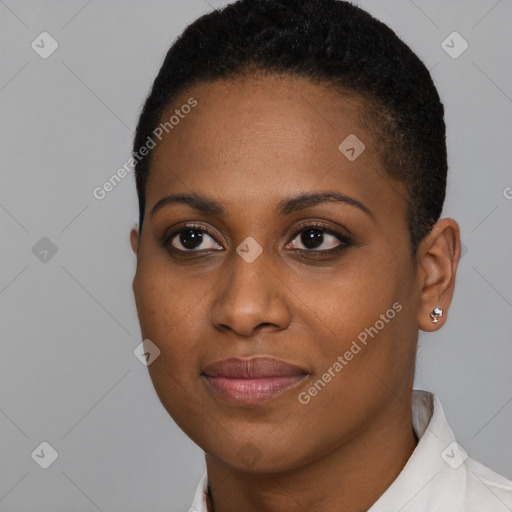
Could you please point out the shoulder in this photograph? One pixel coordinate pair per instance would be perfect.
(486, 490)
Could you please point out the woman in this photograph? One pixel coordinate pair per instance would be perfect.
(291, 173)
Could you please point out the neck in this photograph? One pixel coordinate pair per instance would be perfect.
(351, 477)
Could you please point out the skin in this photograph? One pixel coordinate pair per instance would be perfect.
(250, 143)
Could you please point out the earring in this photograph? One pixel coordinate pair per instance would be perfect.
(436, 313)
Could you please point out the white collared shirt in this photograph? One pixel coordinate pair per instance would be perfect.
(438, 477)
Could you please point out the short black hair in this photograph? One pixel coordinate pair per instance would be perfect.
(332, 42)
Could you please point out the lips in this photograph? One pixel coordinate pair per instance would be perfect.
(254, 368)
(249, 381)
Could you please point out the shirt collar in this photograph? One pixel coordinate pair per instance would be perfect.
(434, 477)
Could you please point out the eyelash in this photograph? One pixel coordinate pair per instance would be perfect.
(344, 239)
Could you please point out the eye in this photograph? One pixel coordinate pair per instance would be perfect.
(311, 238)
(191, 238)
(319, 238)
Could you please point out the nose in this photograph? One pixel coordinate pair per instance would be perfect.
(252, 296)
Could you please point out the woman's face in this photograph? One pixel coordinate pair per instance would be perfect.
(257, 277)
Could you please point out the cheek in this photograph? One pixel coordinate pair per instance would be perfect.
(169, 311)
(170, 318)
(362, 316)
(353, 298)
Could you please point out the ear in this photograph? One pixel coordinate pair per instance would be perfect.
(134, 239)
(438, 257)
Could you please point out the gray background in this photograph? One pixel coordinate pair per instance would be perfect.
(69, 326)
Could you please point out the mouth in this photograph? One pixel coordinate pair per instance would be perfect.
(254, 380)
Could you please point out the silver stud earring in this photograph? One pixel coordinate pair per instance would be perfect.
(436, 313)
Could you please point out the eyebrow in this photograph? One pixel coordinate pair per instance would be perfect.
(284, 207)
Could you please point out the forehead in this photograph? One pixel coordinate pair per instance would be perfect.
(267, 136)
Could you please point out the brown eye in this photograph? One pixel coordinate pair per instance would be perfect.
(318, 238)
(192, 239)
